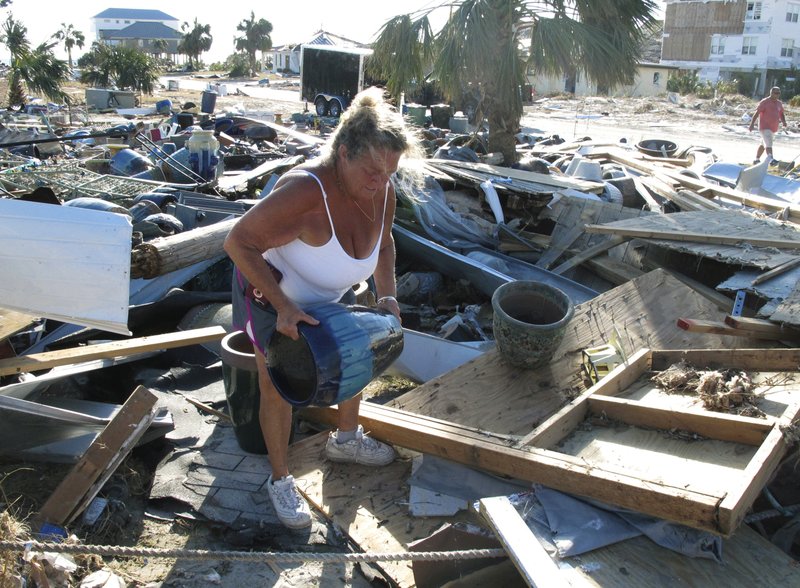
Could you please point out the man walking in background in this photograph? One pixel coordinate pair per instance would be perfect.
(769, 113)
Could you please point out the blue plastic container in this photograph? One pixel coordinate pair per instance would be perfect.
(333, 361)
(164, 106)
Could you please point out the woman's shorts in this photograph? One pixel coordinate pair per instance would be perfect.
(259, 319)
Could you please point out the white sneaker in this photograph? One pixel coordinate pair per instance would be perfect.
(363, 450)
(291, 508)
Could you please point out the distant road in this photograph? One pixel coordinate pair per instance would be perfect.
(249, 88)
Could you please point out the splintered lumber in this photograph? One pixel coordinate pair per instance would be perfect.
(514, 179)
(776, 271)
(722, 228)
(166, 254)
(589, 253)
(762, 326)
(12, 322)
(100, 460)
(534, 563)
(698, 185)
(41, 361)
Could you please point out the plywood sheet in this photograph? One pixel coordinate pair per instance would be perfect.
(369, 504)
(722, 224)
(488, 393)
(788, 310)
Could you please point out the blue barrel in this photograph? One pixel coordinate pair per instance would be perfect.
(208, 102)
(335, 360)
(164, 106)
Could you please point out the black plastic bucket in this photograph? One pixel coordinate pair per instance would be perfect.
(208, 102)
(240, 376)
(333, 361)
(657, 147)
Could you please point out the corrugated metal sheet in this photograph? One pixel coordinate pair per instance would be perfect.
(64, 263)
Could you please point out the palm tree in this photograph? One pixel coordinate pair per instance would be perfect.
(256, 38)
(122, 67)
(160, 47)
(479, 50)
(38, 68)
(196, 40)
(72, 37)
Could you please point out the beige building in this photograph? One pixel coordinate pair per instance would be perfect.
(650, 80)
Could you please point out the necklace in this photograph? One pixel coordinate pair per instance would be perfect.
(341, 187)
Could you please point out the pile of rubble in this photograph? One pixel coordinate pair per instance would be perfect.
(616, 227)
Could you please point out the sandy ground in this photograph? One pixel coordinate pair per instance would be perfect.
(718, 124)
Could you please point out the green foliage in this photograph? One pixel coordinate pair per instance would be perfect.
(38, 68)
(789, 83)
(794, 101)
(237, 65)
(479, 48)
(686, 82)
(124, 68)
(197, 39)
(71, 38)
(256, 37)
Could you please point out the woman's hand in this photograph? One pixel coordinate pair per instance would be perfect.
(389, 303)
(288, 319)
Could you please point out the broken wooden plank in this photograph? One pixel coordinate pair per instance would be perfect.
(12, 322)
(699, 185)
(589, 253)
(762, 326)
(555, 470)
(534, 563)
(100, 460)
(776, 271)
(679, 235)
(41, 361)
(559, 245)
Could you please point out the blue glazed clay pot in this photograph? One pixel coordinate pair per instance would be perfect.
(333, 361)
(529, 322)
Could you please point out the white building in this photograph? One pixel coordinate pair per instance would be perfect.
(723, 39)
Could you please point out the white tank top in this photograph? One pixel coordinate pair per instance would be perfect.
(322, 274)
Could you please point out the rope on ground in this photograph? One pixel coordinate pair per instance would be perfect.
(253, 556)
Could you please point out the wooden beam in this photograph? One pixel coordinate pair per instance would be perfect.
(720, 328)
(42, 361)
(767, 327)
(693, 237)
(534, 563)
(100, 460)
(12, 322)
(712, 425)
(555, 470)
(776, 271)
(589, 253)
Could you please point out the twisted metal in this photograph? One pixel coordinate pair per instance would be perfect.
(260, 556)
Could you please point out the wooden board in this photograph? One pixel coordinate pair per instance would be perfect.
(489, 394)
(97, 464)
(788, 310)
(12, 322)
(41, 361)
(631, 453)
(534, 563)
(722, 232)
(369, 504)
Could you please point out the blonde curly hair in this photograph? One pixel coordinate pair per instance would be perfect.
(371, 122)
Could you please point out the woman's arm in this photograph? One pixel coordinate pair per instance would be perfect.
(385, 281)
(274, 221)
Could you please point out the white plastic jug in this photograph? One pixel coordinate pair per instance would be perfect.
(204, 157)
